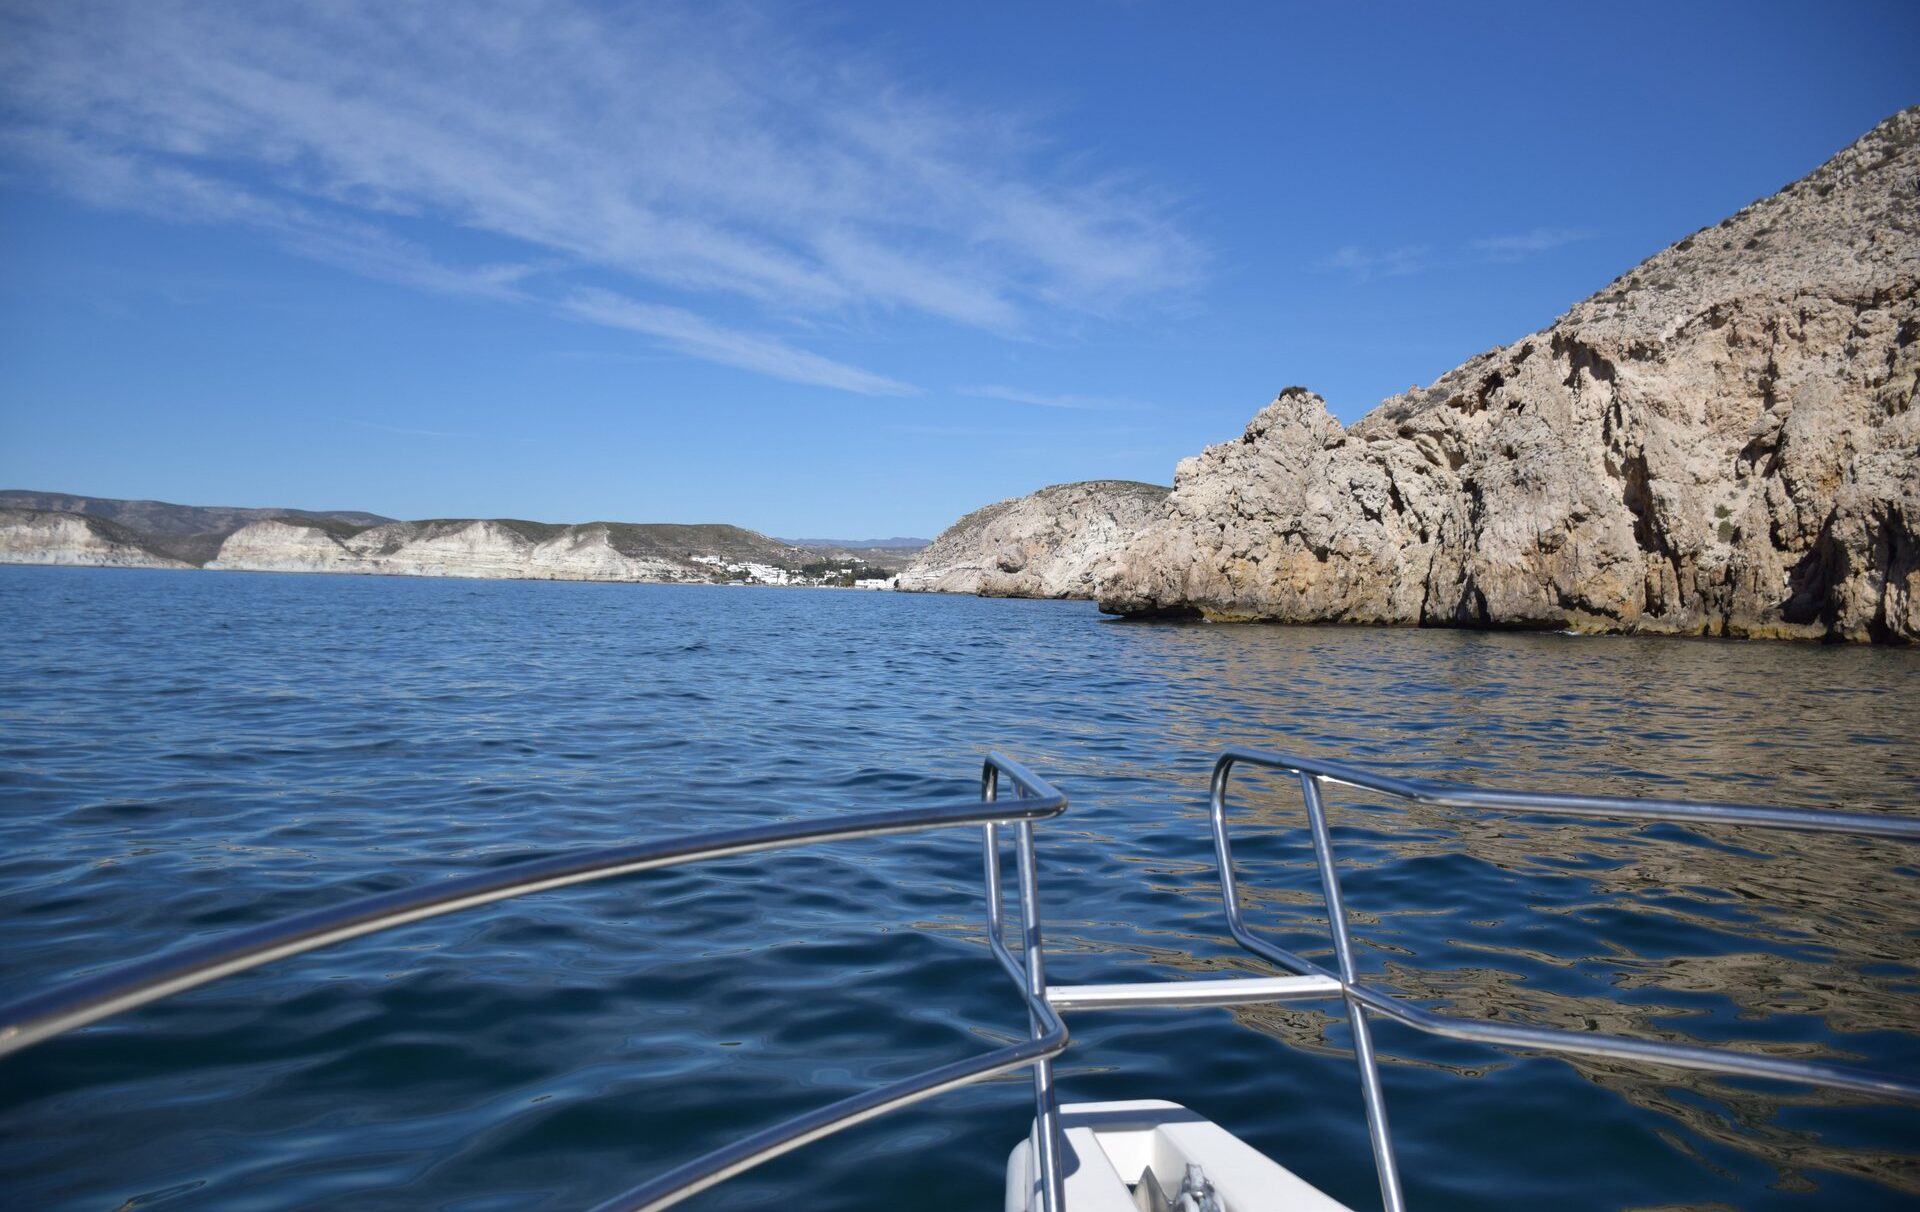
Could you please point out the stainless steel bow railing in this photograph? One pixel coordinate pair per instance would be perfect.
(1361, 999)
(95, 997)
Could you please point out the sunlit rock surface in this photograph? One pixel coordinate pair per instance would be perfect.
(485, 548)
(102, 531)
(1723, 441)
(1054, 543)
(32, 536)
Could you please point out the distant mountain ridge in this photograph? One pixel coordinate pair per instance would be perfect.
(893, 544)
(60, 528)
(189, 534)
(166, 518)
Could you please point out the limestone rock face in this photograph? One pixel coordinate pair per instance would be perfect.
(34, 536)
(481, 548)
(1724, 441)
(157, 534)
(1054, 543)
(277, 546)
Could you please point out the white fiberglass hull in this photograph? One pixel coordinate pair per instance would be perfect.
(1111, 1147)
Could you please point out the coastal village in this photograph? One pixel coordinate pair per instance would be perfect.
(856, 573)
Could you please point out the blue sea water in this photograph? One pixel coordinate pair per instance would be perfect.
(183, 754)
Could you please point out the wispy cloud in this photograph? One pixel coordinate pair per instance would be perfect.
(738, 170)
(1392, 263)
(683, 330)
(1043, 400)
(1003, 431)
(405, 430)
(957, 431)
(1364, 264)
(622, 357)
(1526, 243)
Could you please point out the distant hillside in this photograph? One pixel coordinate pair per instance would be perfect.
(57, 528)
(890, 554)
(164, 518)
(189, 534)
(896, 544)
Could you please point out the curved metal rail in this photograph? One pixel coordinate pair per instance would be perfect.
(89, 999)
(1361, 999)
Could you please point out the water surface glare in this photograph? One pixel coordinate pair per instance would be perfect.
(184, 754)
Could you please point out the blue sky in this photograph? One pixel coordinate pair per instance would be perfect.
(827, 269)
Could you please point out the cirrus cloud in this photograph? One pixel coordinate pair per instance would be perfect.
(730, 172)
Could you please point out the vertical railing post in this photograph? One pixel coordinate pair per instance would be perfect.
(989, 793)
(1046, 1100)
(1370, 1089)
(1230, 887)
(1048, 1151)
(1222, 847)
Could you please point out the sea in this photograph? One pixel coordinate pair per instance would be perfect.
(184, 754)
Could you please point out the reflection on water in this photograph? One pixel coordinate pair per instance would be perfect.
(181, 755)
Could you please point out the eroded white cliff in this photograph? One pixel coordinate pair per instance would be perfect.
(480, 548)
(31, 536)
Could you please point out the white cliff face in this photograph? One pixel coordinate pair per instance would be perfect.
(1722, 442)
(31, 536)
(587, 553)
(464, 547)
(275, 546)
(485, 549)
(1055, 543)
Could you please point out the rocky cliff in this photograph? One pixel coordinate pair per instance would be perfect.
(1054, 543)
(1723, 441)
(101, 532)
(486, 548)
(35, 536)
